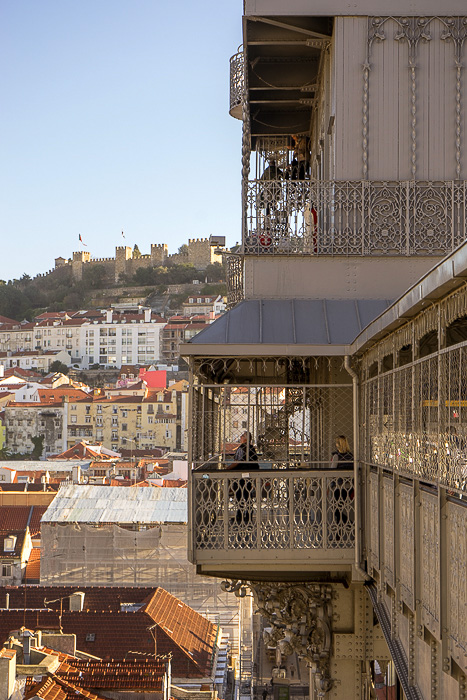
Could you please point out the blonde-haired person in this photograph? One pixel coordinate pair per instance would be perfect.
(342, 457)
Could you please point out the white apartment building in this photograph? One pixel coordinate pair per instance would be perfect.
(119, 340)
(89, 338)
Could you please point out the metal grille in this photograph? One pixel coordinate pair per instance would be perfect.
(289, 425)
(237, 81)
(286, 216)
(234, 278)
(416, 420)
(308, 510)
(430, 553)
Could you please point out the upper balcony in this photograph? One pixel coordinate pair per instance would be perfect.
(287, 212)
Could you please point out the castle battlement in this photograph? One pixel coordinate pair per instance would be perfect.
(200, 254)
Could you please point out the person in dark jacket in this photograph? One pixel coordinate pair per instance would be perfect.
(243, 489)
(245, 452)
(342, 457)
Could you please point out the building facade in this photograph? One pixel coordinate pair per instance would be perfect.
(82, 338)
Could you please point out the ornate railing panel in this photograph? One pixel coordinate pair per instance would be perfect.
(353, 217)
(234, 280)
(430, 557)
(374, 521)
(418, 427)
(266, 510)
(407, 544)
(388, 524)
(457, 582)
(237, 83)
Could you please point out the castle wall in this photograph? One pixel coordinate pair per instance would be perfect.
(200, 254)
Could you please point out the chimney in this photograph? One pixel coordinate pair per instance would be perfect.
(76, 471)
(77, 601)
(2, 371)
(27, 644)
(108, 316)
(147, 315)
(7, 673)
(7, 601)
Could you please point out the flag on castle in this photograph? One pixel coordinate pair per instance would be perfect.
(81, 241)
(123, 235)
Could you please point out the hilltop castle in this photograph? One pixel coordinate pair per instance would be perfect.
(200, 252)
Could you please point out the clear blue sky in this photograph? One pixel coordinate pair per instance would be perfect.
(114, 116)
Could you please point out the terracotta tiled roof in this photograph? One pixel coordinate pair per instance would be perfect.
(16, 518)
(4, 319)
(84, 451)
(46, 395)
(122, 674)
(179, 626)
(55, 688)
(96, 597)
(103, 629)
(154, 453)
(32, 573)
(20, 372)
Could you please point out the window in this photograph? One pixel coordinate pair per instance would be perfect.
(124, 427)
(6, 570)
(87, 419)
(73, 419)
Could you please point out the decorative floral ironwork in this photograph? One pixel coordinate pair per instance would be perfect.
(353, 217)
(237, 81)
(277, 510)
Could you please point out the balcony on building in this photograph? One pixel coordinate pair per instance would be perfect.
(276, 371)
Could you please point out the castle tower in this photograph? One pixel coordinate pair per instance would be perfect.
(122, 254)
(159, 253)
(79, 258)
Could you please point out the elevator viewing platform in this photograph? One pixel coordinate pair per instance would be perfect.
(345, 334)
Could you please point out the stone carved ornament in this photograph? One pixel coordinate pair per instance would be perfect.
(300, 617)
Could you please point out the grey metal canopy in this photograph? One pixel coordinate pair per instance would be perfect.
(287, 326)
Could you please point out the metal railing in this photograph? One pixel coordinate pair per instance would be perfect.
(353, 217)
(237, 83)
(273, 510)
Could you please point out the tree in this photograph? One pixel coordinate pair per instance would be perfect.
(58, 366)
(215, 272)
(136, 252)
(183, 250)
(38, 443)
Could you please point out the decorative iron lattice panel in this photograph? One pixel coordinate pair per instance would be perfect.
(416, 420)
(374, 521)
(388, 539)
(274, 510)
(407, 545)
(234, 279)
(287, 216)
(430, 556)
(289, 425)
(457, 582)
